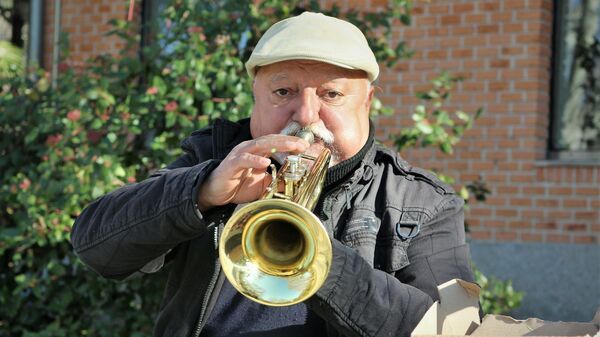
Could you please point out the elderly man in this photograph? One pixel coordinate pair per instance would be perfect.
(396, 231)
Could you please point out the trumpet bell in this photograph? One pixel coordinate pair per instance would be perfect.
(275, 252)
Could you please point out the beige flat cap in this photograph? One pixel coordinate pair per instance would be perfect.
(317, 37)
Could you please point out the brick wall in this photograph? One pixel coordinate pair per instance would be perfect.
(86, 23)
(503, 49)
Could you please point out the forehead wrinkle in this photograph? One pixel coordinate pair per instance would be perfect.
(315, 81)
(311, 69)
(278, 77)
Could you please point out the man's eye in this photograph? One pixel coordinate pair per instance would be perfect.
(282, 92)
(332, 94)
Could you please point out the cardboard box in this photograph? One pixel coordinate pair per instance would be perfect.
(457, 314)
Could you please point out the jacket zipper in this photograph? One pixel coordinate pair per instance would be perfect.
(348, 196)
(211, 286)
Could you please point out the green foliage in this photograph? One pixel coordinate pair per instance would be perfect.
(59, 151)
(110, 124)
(433, 125)
(11, 60)
(497, 296)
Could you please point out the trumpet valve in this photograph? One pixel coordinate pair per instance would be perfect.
(293, 174)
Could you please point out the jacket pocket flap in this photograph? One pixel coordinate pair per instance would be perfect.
(399, 227)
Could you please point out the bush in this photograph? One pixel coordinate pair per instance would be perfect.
(60, 150)
(497, 296)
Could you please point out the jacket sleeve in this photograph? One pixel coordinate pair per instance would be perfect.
(121, 232)
(359, 300)
(440, 252)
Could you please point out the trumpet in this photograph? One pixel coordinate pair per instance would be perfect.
(275, 251)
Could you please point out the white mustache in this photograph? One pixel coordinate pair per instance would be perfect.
(318, 130)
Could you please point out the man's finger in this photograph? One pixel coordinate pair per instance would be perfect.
(249, 160)
(233, 165)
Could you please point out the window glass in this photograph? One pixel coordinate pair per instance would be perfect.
(576, 94)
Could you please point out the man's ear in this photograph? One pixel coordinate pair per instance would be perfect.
(254, 82)
(370, 95)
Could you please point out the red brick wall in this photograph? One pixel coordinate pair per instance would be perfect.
(503, 49)
(86, 23)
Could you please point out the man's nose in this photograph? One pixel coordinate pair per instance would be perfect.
(307, 110)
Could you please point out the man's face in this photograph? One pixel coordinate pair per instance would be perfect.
(314, 94)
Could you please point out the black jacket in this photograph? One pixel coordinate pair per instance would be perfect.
(380, 283)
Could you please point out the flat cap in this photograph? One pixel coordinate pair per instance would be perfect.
(317, 37)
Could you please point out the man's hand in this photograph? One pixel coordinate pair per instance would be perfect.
(241, 177)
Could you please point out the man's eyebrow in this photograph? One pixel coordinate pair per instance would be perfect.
(278, 77)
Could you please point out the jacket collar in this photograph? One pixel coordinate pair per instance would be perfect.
(228, 134)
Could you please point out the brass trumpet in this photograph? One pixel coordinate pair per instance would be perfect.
(275, 251)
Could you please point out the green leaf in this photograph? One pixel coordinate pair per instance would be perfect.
(31, 136)
(21, 278)
(208, 107)
(405, 19)
(420, 111)
(463, 116)
(446, 148)
(97, 124)
(444, 119)
(92, 94)
(387, 111)
(97, 192)
(119, 171)
(159, 83)
(464, 193)
(202, 89)
(108, 97)
(478, 113)
(170, 119)
(424, 126)
(111, 137)
(376, 104)
(220, 81)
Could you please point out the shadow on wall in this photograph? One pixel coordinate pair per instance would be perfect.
(561, 281)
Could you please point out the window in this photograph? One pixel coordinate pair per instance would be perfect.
(576, 85)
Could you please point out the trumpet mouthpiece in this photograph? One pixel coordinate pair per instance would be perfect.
(307, 135)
